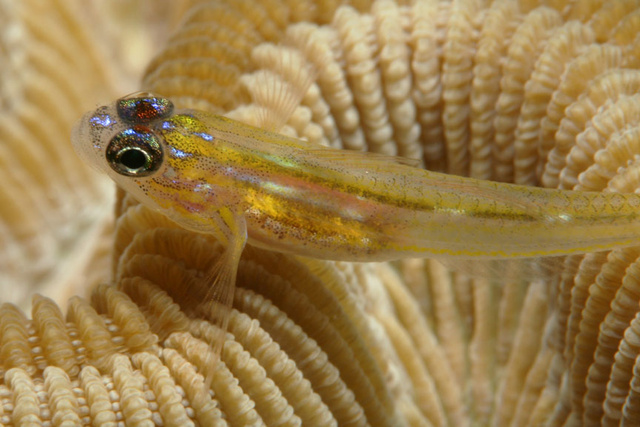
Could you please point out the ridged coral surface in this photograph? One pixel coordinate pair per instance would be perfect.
(538, 93)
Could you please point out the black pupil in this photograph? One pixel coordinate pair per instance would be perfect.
(133, 159)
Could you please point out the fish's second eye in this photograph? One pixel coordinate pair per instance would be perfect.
(134, 152)
(143, 107)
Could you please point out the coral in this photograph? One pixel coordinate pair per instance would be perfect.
(512, 91)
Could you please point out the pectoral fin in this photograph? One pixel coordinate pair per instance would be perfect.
(221, 279)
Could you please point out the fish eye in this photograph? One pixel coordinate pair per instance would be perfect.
(143, 107)
(134, 152)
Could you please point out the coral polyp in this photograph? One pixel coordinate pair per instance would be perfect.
(511, 91)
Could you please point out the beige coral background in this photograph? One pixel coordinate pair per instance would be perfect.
(96, 326)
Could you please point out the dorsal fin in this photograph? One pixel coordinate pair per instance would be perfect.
(362, 159)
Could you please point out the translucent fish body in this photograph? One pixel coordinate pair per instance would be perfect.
(340, 205)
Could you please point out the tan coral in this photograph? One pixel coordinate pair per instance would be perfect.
(498, 27)
(507, 90)
(58, 59)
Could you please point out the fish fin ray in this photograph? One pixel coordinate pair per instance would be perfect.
(221, 281)
(362, 159)
(501, 269)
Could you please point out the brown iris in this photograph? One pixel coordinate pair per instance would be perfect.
(135, 152)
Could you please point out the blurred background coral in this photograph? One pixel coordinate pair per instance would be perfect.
(538, 93)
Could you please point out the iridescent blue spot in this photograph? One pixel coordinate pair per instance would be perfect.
(204, 136)
(103, 120)
(202, 188)
(179, 153)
